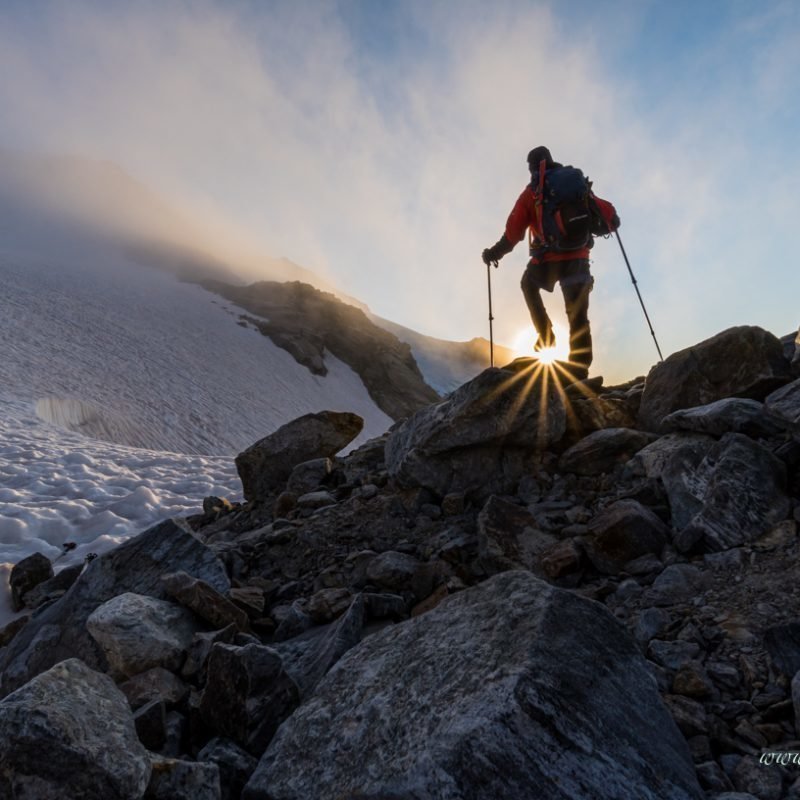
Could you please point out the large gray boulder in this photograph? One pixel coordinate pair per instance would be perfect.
(740, 362)
(69, 734)
(511, 689)
(266, 465)
(138, 633)
(726, 495)
(481, 437)
(59, 631)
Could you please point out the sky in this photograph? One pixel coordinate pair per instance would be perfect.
(382, 143)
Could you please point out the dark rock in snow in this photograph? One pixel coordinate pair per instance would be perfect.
(27, 575)
(739, 362)
(602, 450)
(622, 532)
(69, 733)
(59, 631)
(729, 497)
(266, 465)
(54, 587)
(247, 694)
(480, 438)
(511, 689)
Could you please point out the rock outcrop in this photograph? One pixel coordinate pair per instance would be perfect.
(266, 465)
(508, 690)
(739, 362)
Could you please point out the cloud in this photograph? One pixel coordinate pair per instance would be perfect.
(388, 162)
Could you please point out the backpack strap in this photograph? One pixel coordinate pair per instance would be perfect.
(539, 194)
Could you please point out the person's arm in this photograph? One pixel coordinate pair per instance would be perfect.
(608, 214)
(518, 221)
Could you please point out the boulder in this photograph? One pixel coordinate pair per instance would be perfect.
(137, 633)
(308, 476)
(784, 404)
(511, 689)
(731, 414)
(266, 465)
(622, 532)
(235, 765)
(154, 684)
(172, 779)
(745, 361)
(205, 601)
(69, 733)
(54, 587)
(59, 631)
(602, 450)
(508, 537)
(678, 583)
(27, 575)
(481, 437)
(728, 497)
(651, 460)
(247, 694)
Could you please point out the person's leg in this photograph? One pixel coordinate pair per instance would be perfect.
(576, 288)
(534, 279)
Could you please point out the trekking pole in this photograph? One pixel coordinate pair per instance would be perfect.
(491, 335)
(638, 294)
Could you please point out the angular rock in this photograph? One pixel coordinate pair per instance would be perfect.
(249, 599)
(652, 460)
(247, 694)
(595, 413)
(764, 782)
(154, 684)
(678, 583)
(314, 500)
(602, 450)
(137, 633)
(739, 362)
(235, 765)
(392, 570)
(205, 601)
(784, 404)
(498, 678)
(69, 733)
(673, 655)
(172, 779)
(265, 466)
(622, 532)
(308, 476)
(782, 642)
(327, 604)
(508, 537)
(729, 497)
(308, 657)
(562, 558)
(26, 575)
(200, 649)
(729, 415)
(480, 438)
(59, 631)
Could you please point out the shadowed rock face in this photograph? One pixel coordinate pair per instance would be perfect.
(266, 465)
(305, 322)
(739, 362)
(512, 689)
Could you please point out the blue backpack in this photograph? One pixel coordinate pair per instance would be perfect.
(563, 204)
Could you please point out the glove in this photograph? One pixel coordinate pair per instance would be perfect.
(497, 251)
(615, 223)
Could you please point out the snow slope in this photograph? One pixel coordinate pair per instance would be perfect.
(145, 389)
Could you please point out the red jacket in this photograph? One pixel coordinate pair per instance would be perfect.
(523, 216)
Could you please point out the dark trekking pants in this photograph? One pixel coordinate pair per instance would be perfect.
(576, 284)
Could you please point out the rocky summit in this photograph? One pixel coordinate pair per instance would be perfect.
(529, 588)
